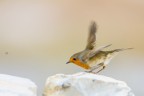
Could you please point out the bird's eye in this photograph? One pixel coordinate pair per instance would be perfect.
(74, 58)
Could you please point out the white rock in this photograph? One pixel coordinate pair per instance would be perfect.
(16, 86)
(85, 84)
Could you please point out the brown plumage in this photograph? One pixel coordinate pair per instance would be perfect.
(91, 58)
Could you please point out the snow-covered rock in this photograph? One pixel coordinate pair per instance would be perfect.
(16, 86)
(85, 84)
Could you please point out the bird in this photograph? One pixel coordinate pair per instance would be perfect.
(92, 58)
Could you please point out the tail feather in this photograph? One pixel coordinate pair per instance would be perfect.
(118, 50)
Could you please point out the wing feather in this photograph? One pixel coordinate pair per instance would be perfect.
(91, 41)
(91, 53)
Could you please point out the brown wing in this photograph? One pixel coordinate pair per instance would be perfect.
(94, 52)
(92, 37)
(91, 53)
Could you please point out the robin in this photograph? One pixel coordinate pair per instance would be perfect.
(91, 58)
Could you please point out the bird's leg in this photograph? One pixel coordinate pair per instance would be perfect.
(103, 67)
(95, 67)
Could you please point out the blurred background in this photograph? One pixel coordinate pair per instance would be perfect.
(41, 35)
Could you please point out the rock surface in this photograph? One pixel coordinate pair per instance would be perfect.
(16, 86)
(85, 84)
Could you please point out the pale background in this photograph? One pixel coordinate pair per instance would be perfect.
(41, 35)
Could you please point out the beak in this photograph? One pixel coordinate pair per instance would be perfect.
(67, 62)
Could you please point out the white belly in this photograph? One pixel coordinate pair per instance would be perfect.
(96, 62)
(109, 58)
(104, 60)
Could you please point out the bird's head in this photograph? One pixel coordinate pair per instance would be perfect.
(74, 58)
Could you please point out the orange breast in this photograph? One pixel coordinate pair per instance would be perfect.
(79, 63)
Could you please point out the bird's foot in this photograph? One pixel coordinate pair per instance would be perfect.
(91, 71)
